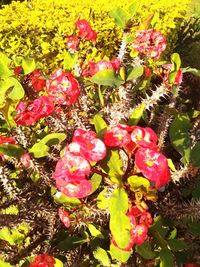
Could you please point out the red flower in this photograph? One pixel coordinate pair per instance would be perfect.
(18, 70)
(146, 218)
(25, 160)
(85, 30)
(77, 187)
(179, 76)
(117, 136)
(64, 217)
(71, 166)
(63, 88)
(72, 43)
(139, 234)
(88, 145)
(153, 165)
(7, 140)
(43, 260)
(147, 72)
(150, 42)
(37, 80)
(29, 114)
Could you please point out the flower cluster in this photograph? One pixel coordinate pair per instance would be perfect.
(73, 168)
(150, 42)
(43, 260)
(140, 220)
(141, 142)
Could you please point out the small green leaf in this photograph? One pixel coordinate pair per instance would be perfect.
(177, 245)
(136, 115)
(28, 65)
(4, 66)
(137, 182)
(176, 60)
(63, 199)
(5, 234)
(101, 255)
(102, 199)
(195, 155)
(100, 125)
(118, 254)
(173, 234)
(39, 150)
(135, 73)
(171, 165)
(11, 150)
(166, 258)
(5, 264)
(145, 251)
(121, 17)
(71, 242)
(191, 70)
(53, 139)
(58, 263)
(106, 77)
(195, 228)
(95, 181)
(179, 135)
(94, 231)
(133, 8)
(70, 61)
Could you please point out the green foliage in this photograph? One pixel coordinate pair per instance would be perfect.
(11, 150)
(101, 255)
(95, 181)
(100, 125)
(137, 182)
(70, 61)
(135, 73)
(28, 65)
(119, 254)
(145, 250)
(195, 155)
(136, 115)
(106, 77)
(166, 258)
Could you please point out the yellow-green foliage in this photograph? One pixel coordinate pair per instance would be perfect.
(39, 28)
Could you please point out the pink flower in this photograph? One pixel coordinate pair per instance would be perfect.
(153, 165)
(72, 43)
(25, 160)
(37, 80)
(29, 114)
(139, 234)
(77, 187)
(144, 137)
(150, 42)
(117, 136)
(64, 217)
(71, 166)
(88, 145)
(179, 76)
(85, 30)
(43, 260)
(63, 88)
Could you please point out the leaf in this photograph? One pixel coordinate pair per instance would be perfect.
(176, 60)
(101, 255)
(94, 231)
(4, 66)
(145, 251)
(113, 164)
(58, 263)
(5, 264)
(195, 228)
(63, 199)
(121, 17)
(155, 19)
(39, 150)
(166, 258)
(28, 65)
(11, 150)
(106, 77)
(137, 182)
(95, 181)
(136, 115)
(195, 155)
(119, 222)
(177, 245)
(71, 242)
(171, 165)
(135, 73)
(102, 199)
(53, 139)
(133, 8)
(191, 70)
(70, 61)
(5, 234)
(100, 125)
(118, 254)
(179, 135)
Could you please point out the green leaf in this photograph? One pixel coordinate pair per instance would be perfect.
(195, 228)
(102, 199)
(11, 150)
(72, 242)
(94, 231)
(118, 254)
(121, 17)
(196, 191)
(4, 66)
(195, 155)
(176, 60)
(179, 135)
(39, 150)
(136, 115)
(166, 258)
(101, 255)
(173, 233)
(70, 61)
(133, 8)
(5, 264)
(106, 77)
(63, 199)
(171, 165)
(177, 245)
(58, 263)
(119, 222)
(135, 73)
(53, 139)
(137, 182)
(113, 164)
(28, 65)
(191, 70)
(145, 251)
(95, 181)
(5, 234)
(100, 125)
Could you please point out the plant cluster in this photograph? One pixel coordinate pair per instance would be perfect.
(99, 159)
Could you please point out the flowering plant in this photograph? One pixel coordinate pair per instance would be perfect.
(90, 155)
